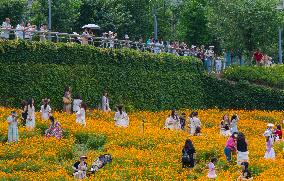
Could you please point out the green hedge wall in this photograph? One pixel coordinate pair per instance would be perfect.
(141, 81)
(268, 76)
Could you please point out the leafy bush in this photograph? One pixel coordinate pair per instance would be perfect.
(141, 81)
(96, 141)
(91, 141)
(272, 76)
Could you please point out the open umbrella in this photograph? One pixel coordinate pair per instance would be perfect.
(91, 26)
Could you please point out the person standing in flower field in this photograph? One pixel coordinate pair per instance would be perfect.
(270, 153)
(77, 102)
(67, 100)
(211, 167)
(121, 118)
(188, 154)
(105, 102)
(54, 129)
(231, 146)
(45, 109)
(234, 123)
(24, 112)
(31, 114)
(81, 114)
(182, 120)
(172, 122)
(195, 124)
(242, 149)
(13, 135)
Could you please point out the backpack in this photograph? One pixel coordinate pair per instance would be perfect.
(185, 157)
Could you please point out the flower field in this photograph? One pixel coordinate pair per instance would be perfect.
(139, 152)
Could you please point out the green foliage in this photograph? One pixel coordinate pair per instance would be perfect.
(272, 76)
(241, 95)
(13, 9)
(91, 141)
(96, 141)
(141, 81)
(245, 24)
(64, 13)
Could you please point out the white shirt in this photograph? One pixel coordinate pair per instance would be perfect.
(45, 112)
(76, 104)
(6, 33)
(121, 119)
(20, 31)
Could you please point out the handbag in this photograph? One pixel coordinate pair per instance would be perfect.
(66, 100)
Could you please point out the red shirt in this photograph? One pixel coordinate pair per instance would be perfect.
(258, 56)
(279, 133)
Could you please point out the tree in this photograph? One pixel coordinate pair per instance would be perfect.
(64, 13)
(13, 9)
(193, 24)
(245, 24)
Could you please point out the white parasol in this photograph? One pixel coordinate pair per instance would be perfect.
(91, 26)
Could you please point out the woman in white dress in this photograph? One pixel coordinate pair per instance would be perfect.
(270, 153)
(105, 102)
(45, 109)
(31, 114)
(195, 124)
(172, 122)
(121, 118)
(76, 103)
(13, 135)
(234, 124)
(81, 114)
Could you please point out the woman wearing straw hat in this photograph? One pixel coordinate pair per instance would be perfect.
(121, 118)
(13, 135)
(45, 109)
(80, 168)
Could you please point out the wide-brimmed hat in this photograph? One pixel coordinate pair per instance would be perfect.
(46, 100)
(13, 113)
(83, 157)
(270, 125)
(211, 46)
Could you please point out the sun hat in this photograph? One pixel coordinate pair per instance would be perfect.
(270, 125)
(83, 157)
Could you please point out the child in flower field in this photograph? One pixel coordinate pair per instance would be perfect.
(245, 174)
(100, 162)
(211, 166)
(270, 153)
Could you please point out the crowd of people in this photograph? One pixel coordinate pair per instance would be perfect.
(212, 62)
(236, 144)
